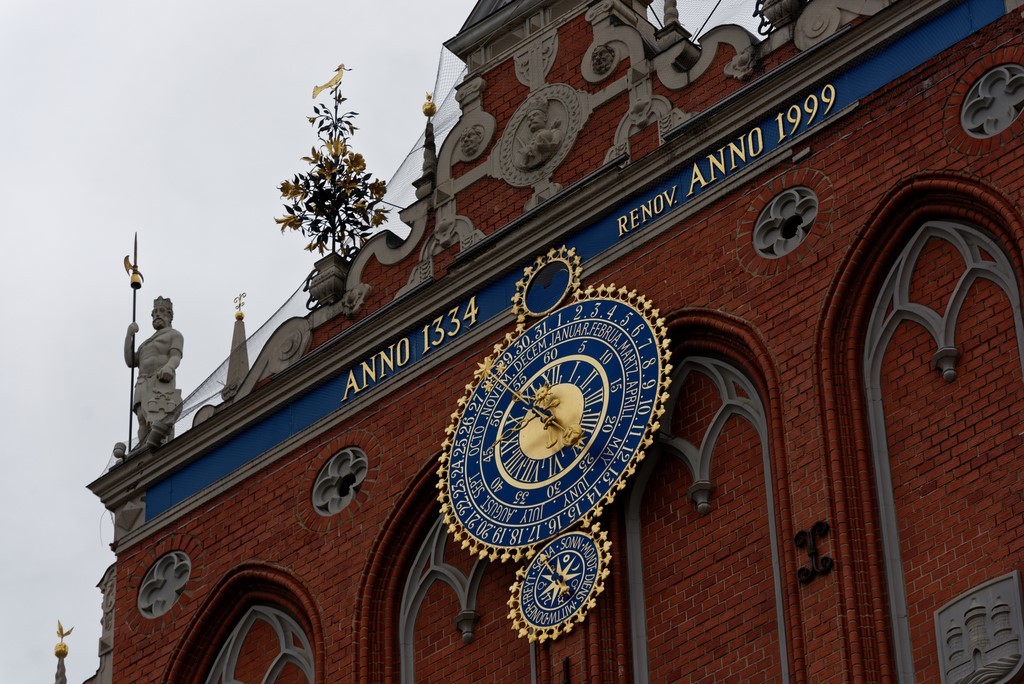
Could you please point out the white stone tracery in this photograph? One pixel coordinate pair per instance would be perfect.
(163, 584)
(339, 481)
(983, 259)
(994, 102)
(739, 399)
(430, 567)
(293, 647)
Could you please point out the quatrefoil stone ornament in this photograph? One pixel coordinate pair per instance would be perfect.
(164, 583)
(339, 481)
(785, 222)
(994, 101)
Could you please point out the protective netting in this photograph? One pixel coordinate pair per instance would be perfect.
(208, 391)
(699, 18)
(401, 192)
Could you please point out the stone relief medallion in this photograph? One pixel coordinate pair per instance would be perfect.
(979, 634)
(540, 135)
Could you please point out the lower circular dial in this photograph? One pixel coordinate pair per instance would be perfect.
(554, 592)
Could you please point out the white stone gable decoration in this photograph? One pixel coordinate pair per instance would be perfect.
(474, 131)
(821, 19)
(540, 135)
(979, 634)
(534, 61)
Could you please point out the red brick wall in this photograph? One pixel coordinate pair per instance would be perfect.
(496, 653)
(898, 159)
(954, 451)
(708, 579)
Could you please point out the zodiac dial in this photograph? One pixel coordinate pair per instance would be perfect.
(556, 589)
(556, 420)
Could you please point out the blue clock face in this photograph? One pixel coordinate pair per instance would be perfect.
(557, 586)
(555, 422)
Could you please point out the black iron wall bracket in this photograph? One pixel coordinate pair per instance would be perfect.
(820, 565)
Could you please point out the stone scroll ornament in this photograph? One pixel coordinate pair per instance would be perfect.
(549, 430)
(540, 135)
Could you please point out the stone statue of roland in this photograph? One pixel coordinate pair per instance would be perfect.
(157, 403)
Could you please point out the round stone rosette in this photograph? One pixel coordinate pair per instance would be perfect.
(555, 422)
(554, 592)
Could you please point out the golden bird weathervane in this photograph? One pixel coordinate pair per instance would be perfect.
(61, 649)
(333, 83)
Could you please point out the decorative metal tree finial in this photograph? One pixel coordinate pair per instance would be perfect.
(239, 303)
(336, 204)
(429, 108)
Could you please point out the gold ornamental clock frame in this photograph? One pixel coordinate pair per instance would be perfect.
(551, 428)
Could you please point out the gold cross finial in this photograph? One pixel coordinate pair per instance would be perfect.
(239, 303)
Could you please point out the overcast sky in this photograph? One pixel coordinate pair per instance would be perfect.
(177, 120)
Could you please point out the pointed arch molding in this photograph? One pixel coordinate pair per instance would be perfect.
(851, 338)
(382, 583)
(984, 259)
(739, 398)
(428, 568)
(734, 357)
(251, 593)
(293, 647)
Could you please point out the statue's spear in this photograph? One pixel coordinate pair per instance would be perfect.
(131, 267)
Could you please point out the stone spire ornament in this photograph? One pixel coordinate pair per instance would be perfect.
(425, 183)
(238, 361)
(61, 651)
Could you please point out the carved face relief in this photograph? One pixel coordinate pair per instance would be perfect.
(540, 135)
(471, 142)
(602, 59)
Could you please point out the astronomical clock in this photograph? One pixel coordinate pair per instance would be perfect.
(551, 427)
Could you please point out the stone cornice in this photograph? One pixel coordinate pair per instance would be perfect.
(511, 247)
